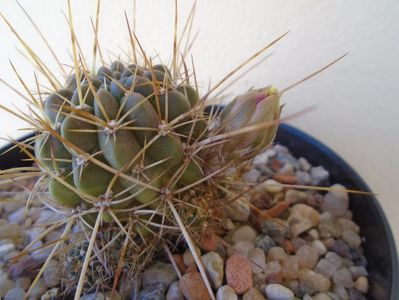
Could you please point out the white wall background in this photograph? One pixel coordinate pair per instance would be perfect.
(357, 103)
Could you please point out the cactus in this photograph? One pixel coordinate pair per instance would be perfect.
(131, 156)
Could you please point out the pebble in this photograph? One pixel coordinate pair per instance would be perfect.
(337, 206)
(174, 292)
(271, 186)
(244, 233)
(264, 242)
(258, 260)
(179, 262)
(253, 175)
(241, 247)
(352, 238)
(325, 268)
(314, 234)
(319, 247)
(5, 285)
(152, 292)
(23, 282)
(343, 277)
(209, 241)
(54, 293)
(193, 287)
(329, 229)
(15, 293)
(314, 280)
(304, 164)
(276, 254)
(11, 230)
(290, 267)
(273, 272)
(5, 249)
(321, 296)
(348, 225)
(238, 210)
(38, 290)
(303, 178)
(213, 264)
(238, 273)
(362, 284)
(302, 218)
(261, 158)
(341, 292)
(51, 274)
(307, 256)
(340, 247)
(319, 176)
(275, 228)
(18, 216)
(358, 271)
(354, 294)
(334, 258)
(159, 272)
(276, 291)
(253, 294)
(226, 293)
(188, 257)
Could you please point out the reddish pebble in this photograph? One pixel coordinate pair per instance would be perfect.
(288, 247)
(209, 241)
(191, 268)
(276, 165)
(179, 262)
(239, 273)
(287, 179)
(278, 209)
(193, 287)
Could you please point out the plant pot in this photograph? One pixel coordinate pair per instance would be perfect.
(379, 245)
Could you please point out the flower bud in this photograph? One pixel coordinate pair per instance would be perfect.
(255, 107)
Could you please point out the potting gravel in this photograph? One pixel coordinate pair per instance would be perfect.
(304, 246)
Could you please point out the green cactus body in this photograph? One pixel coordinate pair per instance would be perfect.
(61, 193)
(51, 152)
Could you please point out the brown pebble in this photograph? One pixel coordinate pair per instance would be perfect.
(193, 287)
(262, 201)
(278, 209)
(275, 165)
(192, 268)
(287, 179)
(209, 241)
(239, 273)
(288, 247)
(179, 262)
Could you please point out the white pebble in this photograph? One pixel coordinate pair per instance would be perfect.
(343, 277)
(4, 249)
(272, 186)
(16, 293)
(51, 274)
(276, 291)
(244, 233)
(213, 264)
(258, 260)
(226, 293)
(319, 246)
